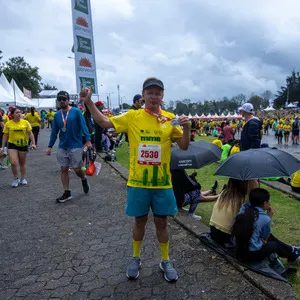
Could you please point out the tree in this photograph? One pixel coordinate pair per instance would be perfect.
(266, 97)
(23, 74)
(126, 106)
(256, 101)
(290, 92)
(48, 87)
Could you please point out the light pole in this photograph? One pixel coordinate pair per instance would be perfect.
(109, 99)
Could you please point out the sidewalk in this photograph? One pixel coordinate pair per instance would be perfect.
(80, 249)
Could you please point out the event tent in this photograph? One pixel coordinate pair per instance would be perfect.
(18, 94)
(10, 94)
(269, 108)
(44, 103)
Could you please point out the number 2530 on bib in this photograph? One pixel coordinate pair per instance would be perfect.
(149, 154)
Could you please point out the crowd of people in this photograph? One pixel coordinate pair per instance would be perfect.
(242, 213)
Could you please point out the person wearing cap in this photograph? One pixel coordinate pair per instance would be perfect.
(150, 132)
(70, 125)
(138, 102)
(251, 133)
(98, 129)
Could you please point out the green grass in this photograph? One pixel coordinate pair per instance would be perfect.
(286, 219)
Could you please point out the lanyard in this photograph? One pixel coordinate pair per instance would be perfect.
(162, 119)
(63, 118)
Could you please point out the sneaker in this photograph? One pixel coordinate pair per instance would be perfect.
(132, 271)
(185, 209)
(198, 218)
(214, 188)
(24, 181)
(15, 183)
(295, 256)
(2, 166)
(170, 273)
(85, 185)
(65, 197)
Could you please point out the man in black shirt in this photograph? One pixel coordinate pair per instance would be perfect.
(138, 102)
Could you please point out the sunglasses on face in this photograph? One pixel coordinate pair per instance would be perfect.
(62, 99)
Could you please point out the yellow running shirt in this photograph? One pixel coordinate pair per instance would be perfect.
(5, 118)
(34, 120)
(17, 132)
(150, 147)
(296, 180)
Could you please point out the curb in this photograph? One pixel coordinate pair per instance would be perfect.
(274, 289)
(281, 187)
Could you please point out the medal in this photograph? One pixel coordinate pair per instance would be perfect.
(162, 119)
(65, 119)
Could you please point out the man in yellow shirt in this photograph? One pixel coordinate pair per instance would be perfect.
(150, 133)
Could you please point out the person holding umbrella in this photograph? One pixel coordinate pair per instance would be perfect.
(251, 133)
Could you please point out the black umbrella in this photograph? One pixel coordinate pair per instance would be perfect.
(199, 154)
(259, 163)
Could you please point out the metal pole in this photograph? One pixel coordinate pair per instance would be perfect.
(14, 93)
(119, 101)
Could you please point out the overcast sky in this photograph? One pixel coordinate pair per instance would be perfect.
(200, 49)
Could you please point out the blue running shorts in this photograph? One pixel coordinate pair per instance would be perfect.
(161, 201)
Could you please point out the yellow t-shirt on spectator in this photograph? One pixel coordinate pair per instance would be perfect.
(34, 119)
(17, 132)
(50, 115)
(296, 180)
(150, 147)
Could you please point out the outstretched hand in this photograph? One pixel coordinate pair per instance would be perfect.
(86, 94)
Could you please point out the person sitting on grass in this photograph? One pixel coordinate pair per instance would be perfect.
(226, 150)
(226, 209)
(187, 191)
(252, 231)
(295, 184)
(235, 148)
(193, 198)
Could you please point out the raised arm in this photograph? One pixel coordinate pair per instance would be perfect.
(98, 117)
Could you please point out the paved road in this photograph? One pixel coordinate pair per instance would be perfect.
(79, 250)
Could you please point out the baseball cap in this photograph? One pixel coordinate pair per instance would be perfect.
(136, 98)
(153, 82)
(99, 102)
(63, 94)
(247, 107)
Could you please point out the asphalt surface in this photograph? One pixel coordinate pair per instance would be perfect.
(80, 249)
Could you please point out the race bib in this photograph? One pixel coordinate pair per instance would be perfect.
(149, 155)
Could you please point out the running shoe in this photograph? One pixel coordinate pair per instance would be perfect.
(132, 271)
(214, 188)
(65, 197)
(24, 181)
(170, 273)
(15, 183)
(85, 185)
(295, 256)
(198, 218)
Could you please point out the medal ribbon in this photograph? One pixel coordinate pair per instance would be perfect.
(162, 119)
(63, 118)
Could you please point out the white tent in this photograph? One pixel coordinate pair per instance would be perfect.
(48, 93)
(19, 95)
(269, 108)
(7, 96)
(291, 105)
(44, 103)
